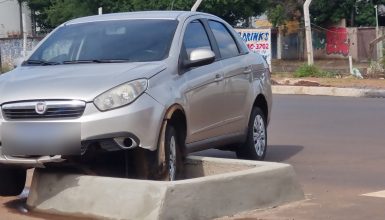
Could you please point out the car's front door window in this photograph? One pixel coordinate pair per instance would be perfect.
(195, 37)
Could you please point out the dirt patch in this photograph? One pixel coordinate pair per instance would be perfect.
(344, 82)
(15, 207)
(306, 83)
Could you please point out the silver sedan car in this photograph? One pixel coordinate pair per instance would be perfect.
(158, 84)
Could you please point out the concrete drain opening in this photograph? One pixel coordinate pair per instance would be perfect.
(213, 188)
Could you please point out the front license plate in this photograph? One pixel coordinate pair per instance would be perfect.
(40, 138)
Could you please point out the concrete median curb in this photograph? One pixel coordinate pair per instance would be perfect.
(328, 91)
(214, 188)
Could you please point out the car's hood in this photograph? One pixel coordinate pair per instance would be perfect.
(75, 81)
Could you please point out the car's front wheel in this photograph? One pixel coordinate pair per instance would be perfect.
(166, 163)
(172, 154)
(256, 143)
(12, 180)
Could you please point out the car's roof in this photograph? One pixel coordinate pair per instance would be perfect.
(171, 15)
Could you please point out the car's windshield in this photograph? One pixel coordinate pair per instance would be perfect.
(107, 41)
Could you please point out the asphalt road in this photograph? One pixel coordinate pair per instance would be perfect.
(337, 147)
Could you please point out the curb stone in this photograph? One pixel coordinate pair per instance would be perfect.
(215, 188)
(328, 91)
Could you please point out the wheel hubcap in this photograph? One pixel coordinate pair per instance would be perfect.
(259, 135)
(172, 159)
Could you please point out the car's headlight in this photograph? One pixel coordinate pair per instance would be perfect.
(121, 95)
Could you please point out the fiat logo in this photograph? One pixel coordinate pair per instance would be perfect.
(40, 108)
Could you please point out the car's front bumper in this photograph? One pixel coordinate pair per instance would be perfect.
(141, 120)
(28, 162)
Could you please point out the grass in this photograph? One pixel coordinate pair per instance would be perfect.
(4, 69)
(312, 71)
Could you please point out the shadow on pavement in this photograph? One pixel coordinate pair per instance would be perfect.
(275, 153)
(281, 153)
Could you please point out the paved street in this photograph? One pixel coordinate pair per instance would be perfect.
(337, 148)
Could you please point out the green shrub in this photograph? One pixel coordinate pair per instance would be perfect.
(312, 71)
(4, 69)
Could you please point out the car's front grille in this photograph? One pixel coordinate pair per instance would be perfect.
(43, 109)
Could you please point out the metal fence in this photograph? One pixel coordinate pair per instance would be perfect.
(11, 49)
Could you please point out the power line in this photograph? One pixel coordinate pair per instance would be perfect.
(316, 26)
(328, 30)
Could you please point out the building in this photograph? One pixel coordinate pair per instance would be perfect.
(261, 22)
(10, 19)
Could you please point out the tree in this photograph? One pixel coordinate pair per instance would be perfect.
(234, 11)
(64, 10)
(328, 12)
(280, 12)
(39, 15)
(356, 12)
(325, 12)
(50, 13)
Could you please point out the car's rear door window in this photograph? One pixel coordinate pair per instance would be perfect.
(226, 43)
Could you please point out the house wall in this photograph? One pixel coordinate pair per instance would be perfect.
(12, 48)
(332, 43)
(10, 19)
(364, 37)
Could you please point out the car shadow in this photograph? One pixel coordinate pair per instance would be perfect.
(275, 153)
(281, 153)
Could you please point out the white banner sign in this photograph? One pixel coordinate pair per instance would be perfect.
(258, 40)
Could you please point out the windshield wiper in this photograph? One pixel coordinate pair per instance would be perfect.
(96, 61)
(40, 62)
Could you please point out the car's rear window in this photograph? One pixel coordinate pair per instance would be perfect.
(130, 40)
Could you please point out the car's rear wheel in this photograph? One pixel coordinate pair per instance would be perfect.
(256, 143)
(12, 180)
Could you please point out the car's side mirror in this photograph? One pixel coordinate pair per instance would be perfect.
(199, 57)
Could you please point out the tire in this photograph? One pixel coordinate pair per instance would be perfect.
(256, 143)
(12, 180)
(173, 155)
(150, 165)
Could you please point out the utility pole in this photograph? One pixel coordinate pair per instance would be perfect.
(196, 5)
(20, 2)
(309, 44)
(379, 44)
(24, 31)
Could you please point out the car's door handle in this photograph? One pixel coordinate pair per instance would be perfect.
(247, 70)
(218, 77)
